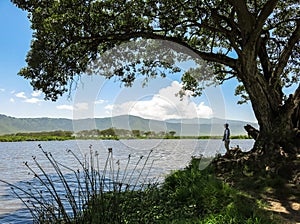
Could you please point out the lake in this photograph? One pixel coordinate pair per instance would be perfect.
(166, 155)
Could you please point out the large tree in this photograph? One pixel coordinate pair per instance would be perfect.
(254, 41)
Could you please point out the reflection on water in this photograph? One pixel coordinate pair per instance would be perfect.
(167, 155)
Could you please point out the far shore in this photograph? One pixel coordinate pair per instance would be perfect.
(23, 138)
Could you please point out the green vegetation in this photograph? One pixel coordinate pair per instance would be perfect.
(220, 137)
(107, 134)
(190, 195)
(115, 133)
(186, 196)
(38, 136)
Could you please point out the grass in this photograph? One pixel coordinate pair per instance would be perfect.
(33, 138)
(111, 195)
(38, 136)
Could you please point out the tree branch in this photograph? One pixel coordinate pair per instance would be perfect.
(227, 78)
(229, 22)
(286, 52)
(212, 57)
(292, 102)
(232, 35)
(296, 95)
(244, 16)
(265, 13)
(264, 57)
(275, 25)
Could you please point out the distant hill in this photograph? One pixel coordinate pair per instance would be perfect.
(184, 127)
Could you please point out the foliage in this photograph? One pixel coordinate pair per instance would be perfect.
(216, 30)
(186, 196)
(200, 193)
(172, 133)
(252, 41)
(136, 133)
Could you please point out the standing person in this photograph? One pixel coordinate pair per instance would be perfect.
(226, 137)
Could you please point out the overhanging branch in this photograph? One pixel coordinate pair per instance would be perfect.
(286, 52)
(211, 57)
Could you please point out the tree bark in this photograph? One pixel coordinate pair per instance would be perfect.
(279, 120)
(252, 132)
(282, 132)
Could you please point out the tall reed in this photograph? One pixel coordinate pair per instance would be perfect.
(70, 195)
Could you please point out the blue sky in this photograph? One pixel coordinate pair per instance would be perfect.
(95, 96)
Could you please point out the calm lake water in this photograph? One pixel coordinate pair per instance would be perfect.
(167, 155)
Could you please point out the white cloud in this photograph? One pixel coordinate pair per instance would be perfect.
(109, 107)
(100, 101)
(12, 100)
(2, 90)
(76, 107)
(36, 93)
(81, 106)
(64, 107)
(32, 100)
(204, 111)
(162, 106)
(21, 95)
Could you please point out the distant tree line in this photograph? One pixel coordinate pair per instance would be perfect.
(122, 133)
(115, 133)
(110, 133)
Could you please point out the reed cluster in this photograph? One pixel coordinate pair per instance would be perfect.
(68, 195)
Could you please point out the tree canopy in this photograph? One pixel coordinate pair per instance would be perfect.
(254, 41)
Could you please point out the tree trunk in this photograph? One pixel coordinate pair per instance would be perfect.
(279, 120)
(281, 132)
(296, 124)
(252, 132)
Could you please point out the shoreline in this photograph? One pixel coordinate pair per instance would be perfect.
(24, 138)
